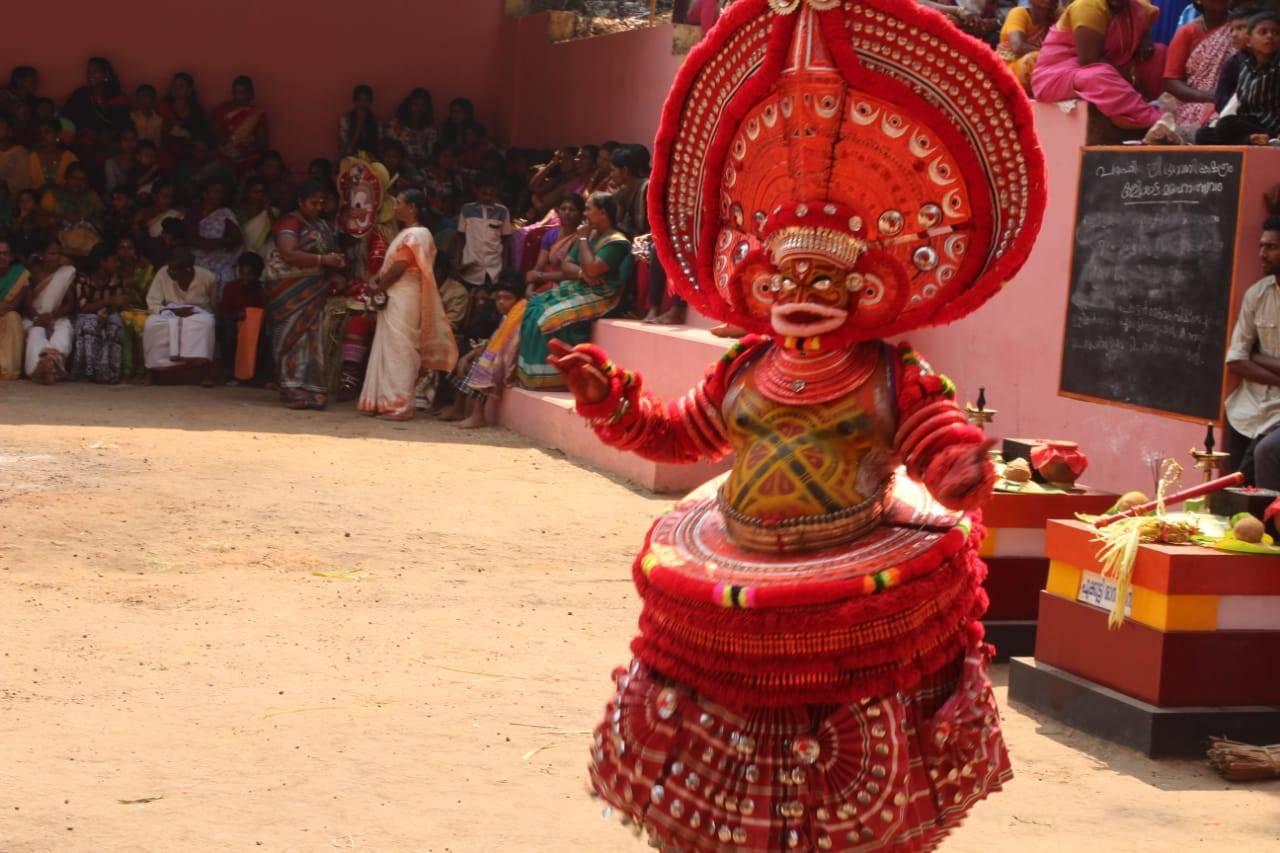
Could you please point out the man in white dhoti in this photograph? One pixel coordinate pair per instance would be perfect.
(180, 331)
(48, 328)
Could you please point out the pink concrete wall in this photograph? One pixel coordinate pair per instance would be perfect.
(305, 57)
(589, 90)
(1013, 345)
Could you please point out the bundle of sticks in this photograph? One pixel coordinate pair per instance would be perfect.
(1243, 762)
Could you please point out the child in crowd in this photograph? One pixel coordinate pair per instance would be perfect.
(135, 276)
(146, 166)
(1238, 21)
(117, 221)
(148, 123)
(1257, 98)
(483, 372)
(484, 235)
(245, 291)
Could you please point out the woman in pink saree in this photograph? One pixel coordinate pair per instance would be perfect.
(1099, 51)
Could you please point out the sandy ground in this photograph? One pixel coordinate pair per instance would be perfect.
(231, 627)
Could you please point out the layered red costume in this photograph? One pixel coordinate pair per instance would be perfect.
(810, 672)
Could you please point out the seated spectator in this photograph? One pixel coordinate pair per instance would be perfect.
(15, 168)
(99, 112)
(180, 331)
(213, 232)
(206, 167)
(555, 178)
(359, 130)
(49, 305)
(27, 232)
(14, 280)
(602, 179)
(444, 187)
(156, 208)
(406, 174)
(240, 127)
(484, 232)
(1196, 56)
(184, 122)
(257, 217)
(173, 233)
(598, 266)
(148, 124)
(1238, 20)
(462, 113)
(1094, 51)
(1022, 36)
(1257, 115)
(486, 370)
(473, 153)
(135, 276)
(146, 166)
(280, 187)
(548, 269)
(120, 167)
(119, 216)
(21, 91)
(413, 126)
(513, 185)
(98, 351)
(47, 110)
(49, 160)
(241, 293)
(320, 169)
(75, 212)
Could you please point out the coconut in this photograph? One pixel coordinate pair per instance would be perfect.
(1017, 471)
(1131, 499)
(1249, 529)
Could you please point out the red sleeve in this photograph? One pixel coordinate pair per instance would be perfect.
(935, 441)
(686, 430)
(1184, 41)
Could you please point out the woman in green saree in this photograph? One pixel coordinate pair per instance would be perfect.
(597, 267)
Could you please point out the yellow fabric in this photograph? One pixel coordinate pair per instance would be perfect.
(1093, 14)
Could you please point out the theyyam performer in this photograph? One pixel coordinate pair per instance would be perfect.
(810, 671)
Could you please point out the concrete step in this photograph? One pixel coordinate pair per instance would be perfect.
(549, 418)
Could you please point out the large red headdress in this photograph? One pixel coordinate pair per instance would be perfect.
(870, 137)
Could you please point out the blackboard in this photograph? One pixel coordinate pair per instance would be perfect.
(1151, 273)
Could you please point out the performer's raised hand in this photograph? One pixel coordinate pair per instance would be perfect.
(581, 372)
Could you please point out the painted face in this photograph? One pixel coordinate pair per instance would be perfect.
(361, 200)
(804, 298)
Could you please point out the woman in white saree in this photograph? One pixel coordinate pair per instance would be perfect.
(413, 336)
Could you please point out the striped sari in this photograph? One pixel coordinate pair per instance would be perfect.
(565, 312)
(296, 303)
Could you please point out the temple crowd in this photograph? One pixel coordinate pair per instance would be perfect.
(1215, 82)
(147, 238)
